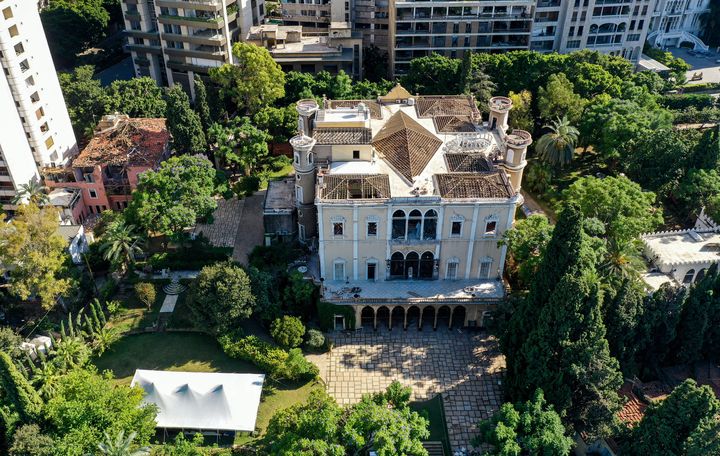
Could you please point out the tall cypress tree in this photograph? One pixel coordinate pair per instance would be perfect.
(201, 103)
(623, 314)
(17, 390)
(695, 318)
(563, 254)
(184, 123)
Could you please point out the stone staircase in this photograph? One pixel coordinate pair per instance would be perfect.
(434, 448)
(174, 287)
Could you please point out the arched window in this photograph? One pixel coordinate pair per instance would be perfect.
(430, 225)
(607, 28)
(398, 225)
(621, 27)
(427, 265)
(414, 225)
(397, 265)
(412, 265)
(689, 276)
(593, 28)
(700, 275)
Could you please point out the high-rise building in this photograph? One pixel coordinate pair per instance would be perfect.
(678, 21)
(171, 40)
(35, 130)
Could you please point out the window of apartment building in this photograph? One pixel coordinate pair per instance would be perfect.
(641, 24)
(452, 269)
(29, 82)
(633, 37)
(7, 13)
(35, 97)
(356, 155)
(581, 29)
(490, 227)
(19, 49)
(24, 66)
(134, 25)
(456, 28)
(572, 31)
(138, 41)
(338, 228)
(13, 31)
(372, 229)
(93, 194)
(574, 44)
(456, 226)
(468, 27)
(466, 41)
(484, 270)
(645, 10)
(49, 142)
(339, 270)
(632, 25)
(44, 127)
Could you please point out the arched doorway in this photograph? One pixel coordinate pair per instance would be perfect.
(397, 266)
(412, 265)
(458, 317)
(413, 317)
(398, 317)
(427, 264)
(367, 317)
(689, 276)
(383, 317)
(428, 318)
(443, 317)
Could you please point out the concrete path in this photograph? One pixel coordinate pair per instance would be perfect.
(250, 231)
(168, 305)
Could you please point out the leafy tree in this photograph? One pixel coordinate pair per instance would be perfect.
(300, 295)
(538, 177)
(559, 99)
(184, 123)
(10, 343)
(72, 26)
(172, 198)
(29, 440)
(529, 428)
(222, 297)
(87, 405)
(695, 318)
(705, 439)
(710, 21)
(521, 116)
(253, 81)
(184, 447)
(240, 144)
(120, 243)
(267, 295)
(699, 188)
(85, 98)
(622, 261)
(557, 147)
(591, 80)
(619, 203)
(137, 97)
(279, 123)
(526, 242)
(334, 86)
(201, 104)
(121, 445)
(146, 293)
(375, 63)
(17, 392)
(35, 253)
(667, 425)
(33, 192)
(287, 331)
(298, 86)
(623, 314)
(479, 84)
(433, 75)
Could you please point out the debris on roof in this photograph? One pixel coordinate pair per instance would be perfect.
(474, 185)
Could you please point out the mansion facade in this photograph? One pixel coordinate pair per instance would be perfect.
(405, 199)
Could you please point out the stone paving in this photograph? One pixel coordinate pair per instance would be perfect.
(465, 367)
(226, 218)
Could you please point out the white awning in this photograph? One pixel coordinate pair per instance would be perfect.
(203, 401)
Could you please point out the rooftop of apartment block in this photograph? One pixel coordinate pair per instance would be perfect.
(422, 146)
(126, 141)
(289, 41)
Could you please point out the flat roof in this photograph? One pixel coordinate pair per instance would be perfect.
(682, 247)
(649, 64)
(280, 196)
(414, 289)
(202, 400)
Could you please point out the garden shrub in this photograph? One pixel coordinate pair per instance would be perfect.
(701, 87)
(315, 339)
(108, 289)
(287, 331)
(278, 363)
(247, 185)
(327, 312)
(198, 254)
(678, 102)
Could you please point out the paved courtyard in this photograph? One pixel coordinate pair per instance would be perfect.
(465, 367)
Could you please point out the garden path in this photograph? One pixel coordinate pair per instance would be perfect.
(250, 229)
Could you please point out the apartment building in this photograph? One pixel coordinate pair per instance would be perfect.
(35, 130)
(171, 40)
(677, 21)
(406, 198)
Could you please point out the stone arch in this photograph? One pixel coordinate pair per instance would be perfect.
(414, 226)
(412, 265)
(397, 317)
(382, 317)
(427, 317)
(412, 317)
(397, 265)
(459, 314)
(430, 220)
(367, 317)
(689, 276)
(399, 221)
(443, 317)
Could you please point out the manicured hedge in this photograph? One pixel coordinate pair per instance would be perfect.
(701, 87)
(327, 312)
(278, 363)
(193, 258)
(684, 101)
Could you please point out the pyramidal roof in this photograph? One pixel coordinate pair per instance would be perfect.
(406, 145)
(396, 93)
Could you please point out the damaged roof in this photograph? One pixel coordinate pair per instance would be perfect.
(132, 142)
(474, 185)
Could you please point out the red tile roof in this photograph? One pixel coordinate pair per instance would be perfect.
(132, 142)
(634, 409)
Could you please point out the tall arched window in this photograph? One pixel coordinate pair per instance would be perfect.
(427, 264)
(689, 276)
(397, 265)
(412, 265)
(430, 225)
(414, 225)
(700, 275)
(398, 225)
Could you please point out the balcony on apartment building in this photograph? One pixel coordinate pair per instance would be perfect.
(460, 12)
(202, 5)
(192, 18)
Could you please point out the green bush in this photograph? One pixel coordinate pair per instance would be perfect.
(198, 254)
(327, 312)
(108, 289)
(315, 339)
(678, 102)
(278, 363)
(287, 331)
(247, 185)
(701, 87)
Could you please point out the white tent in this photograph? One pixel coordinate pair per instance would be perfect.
(202, 401)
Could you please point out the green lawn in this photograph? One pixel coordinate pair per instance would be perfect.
(433, 410)
(133, 314)
(283, 172)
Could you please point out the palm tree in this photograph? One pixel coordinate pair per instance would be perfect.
(120, 244)
(558, 146)
(120, 446)
(32, 192)
(623, 260)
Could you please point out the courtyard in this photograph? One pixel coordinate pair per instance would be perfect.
(465, 368)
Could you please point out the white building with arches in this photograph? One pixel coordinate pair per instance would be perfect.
(406, 198)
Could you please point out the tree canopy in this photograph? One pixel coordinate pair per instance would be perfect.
(72, 26)
(239, 144)
(85, 98)
(137, 97)
(184, 123)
